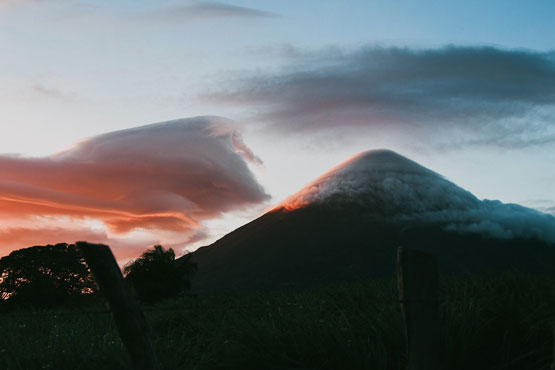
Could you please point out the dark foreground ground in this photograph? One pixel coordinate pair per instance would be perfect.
(497, 322)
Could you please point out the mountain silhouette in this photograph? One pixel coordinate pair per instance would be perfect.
(347, 224)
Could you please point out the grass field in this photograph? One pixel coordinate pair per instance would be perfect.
(498, 322)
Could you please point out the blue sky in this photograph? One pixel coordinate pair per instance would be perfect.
(468, 90)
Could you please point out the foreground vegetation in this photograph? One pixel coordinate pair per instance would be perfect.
(500, 322)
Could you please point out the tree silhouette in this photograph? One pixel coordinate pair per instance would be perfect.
(156, 274)
(44, 276)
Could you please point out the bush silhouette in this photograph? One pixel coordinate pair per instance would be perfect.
(45, 276)
(156, 275)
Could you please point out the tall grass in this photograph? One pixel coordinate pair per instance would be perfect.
(497, 322)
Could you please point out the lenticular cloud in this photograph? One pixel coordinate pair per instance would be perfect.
(393, 188)
(167, 177)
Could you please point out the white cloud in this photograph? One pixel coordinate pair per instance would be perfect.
(388, 186)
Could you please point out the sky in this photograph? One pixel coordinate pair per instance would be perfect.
(98, 138)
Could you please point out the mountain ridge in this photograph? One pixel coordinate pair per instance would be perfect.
(346, 225)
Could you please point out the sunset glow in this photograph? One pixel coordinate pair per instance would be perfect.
(175, 122)
(230, 184)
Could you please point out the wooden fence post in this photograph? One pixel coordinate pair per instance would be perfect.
(126, 312)
(417, 277)
(553, 363)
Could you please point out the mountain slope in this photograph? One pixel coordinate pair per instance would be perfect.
(347, 224)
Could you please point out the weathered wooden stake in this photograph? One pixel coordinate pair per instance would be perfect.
(127, 314)
(553, 363)
(417, 275)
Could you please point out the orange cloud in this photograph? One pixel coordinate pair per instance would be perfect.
(124, 247)
(165, 177)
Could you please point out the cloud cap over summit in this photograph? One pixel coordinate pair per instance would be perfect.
(389, 186)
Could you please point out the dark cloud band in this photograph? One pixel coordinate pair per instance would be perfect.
(505, 97)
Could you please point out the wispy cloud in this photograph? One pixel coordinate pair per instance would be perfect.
(542, 205)
(166, 178)
(490, 95)
(198, 9)
(48, 92)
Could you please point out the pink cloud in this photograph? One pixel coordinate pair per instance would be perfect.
(164, 177)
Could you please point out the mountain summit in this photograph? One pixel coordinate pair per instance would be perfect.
(385, 183)
(346, 225)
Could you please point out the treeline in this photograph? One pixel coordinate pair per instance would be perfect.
(57, 275)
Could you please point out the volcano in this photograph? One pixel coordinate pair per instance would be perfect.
(346, 226)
